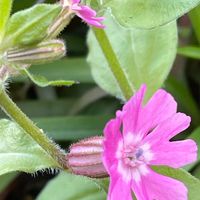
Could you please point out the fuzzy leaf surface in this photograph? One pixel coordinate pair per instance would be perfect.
(19, 152)
(67, 186)
(28, 27)
(148, 14)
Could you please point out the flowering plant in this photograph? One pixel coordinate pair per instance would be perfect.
(74, 133)
(143, 141)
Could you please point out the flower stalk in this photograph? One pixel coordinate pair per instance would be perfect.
(11, 109)
(113, 63)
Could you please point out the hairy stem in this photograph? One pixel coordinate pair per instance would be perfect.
(113, 63)
(11, 109)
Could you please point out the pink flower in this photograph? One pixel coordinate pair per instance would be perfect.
(139, 137)
(84, 12)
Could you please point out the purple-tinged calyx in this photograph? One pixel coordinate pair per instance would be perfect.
(85, 158)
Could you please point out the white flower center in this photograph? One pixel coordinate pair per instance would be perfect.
(133, 157)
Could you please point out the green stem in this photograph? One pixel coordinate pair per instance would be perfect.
(113, 63)
(11, 109)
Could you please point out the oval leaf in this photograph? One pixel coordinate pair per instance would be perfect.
(18, 152)
(30, 26)
(5, 8)
(149, 14)
(146, 56)
(67, 186)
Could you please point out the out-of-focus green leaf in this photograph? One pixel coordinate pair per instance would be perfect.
(97, 5)
(5, 8)
(195, 135)
(73, 128)
(65, 106)
(30, 26)
(194, 16)
(184, 97)
(190, 181)
(18, 152)
(43, 82)
(190, 52)
(148, 14)
(6, 179)
(45, 108)
(18, 5)
(143, 54)
(196, 171)
(70, 187)
(66, 69)
(89, 97)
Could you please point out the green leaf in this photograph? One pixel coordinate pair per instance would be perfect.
(196, 171)
(182, 94)
(149, 14)
(190, 52)
(143, 54)
(70, 68)
(190, 181)
(94, 4)
(194, 16)
(67, 186)
(43, 82)
(5, 8)
(6, 179)
(73, 127)
(18, 152)
(30, 26)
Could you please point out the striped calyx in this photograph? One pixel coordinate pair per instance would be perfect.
(85, 158)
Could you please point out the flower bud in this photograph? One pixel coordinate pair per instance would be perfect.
(60, 22)
(85, 158)
(39, 54)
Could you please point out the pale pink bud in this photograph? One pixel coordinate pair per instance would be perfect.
(85, 158)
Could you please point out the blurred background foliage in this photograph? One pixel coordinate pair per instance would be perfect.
(69, 114)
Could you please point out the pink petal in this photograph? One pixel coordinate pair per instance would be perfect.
(175, 154)
(92, 22)
(87, 11)
(118, 189)
(75, 1)
(168, 129)
(154, 186)
(112, 137)
(160, 107)
(88, 15)
(131, 112)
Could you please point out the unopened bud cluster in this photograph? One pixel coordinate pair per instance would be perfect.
(43, 52)
(85, 158)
